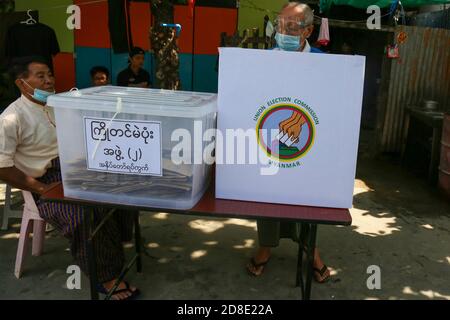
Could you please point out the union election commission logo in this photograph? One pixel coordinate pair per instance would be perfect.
(286, 129)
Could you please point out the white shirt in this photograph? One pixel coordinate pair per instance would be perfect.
(307, 47)
(28, 137)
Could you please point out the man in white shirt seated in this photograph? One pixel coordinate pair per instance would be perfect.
(29, 161)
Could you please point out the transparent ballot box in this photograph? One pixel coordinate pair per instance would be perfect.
(133, 146)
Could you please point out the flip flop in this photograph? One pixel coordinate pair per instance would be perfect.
(321, 272)
(134, 294)
(256, 266)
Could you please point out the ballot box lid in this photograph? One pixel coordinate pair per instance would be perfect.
(138, 101)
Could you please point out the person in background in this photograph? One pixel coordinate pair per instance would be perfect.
(135, 75)
(346, 48)
(294, 27)
(99, 76)
(29, 161)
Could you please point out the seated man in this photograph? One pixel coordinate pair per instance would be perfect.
(99, 76)
(29, 161)
(135, 75)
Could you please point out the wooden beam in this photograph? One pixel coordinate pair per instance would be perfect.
(354, 25)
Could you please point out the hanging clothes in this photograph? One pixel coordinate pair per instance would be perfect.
(191, 5)
(28, 40)
(217, 3)
(324, 34)
(119, 25)
(7, 20)
(8, 90)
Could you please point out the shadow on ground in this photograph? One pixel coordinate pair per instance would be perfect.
(399, 224)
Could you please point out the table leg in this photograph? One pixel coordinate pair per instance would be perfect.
(138, 242)
(311, 246)
(299, 277)
(404, 137)
(435, 156)
(92, 264)
(121, 277)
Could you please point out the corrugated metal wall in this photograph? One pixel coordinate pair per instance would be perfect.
(422, 72)
(435, 19)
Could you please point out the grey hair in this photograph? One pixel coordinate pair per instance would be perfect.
(308, 12)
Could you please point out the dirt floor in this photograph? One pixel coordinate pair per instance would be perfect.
(400, 224)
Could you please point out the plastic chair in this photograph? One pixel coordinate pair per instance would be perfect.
(30, 218)
(7, 211)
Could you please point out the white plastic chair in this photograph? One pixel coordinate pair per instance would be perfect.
(9, 213)
(30, 218)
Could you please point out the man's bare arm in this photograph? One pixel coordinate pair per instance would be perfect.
(20, 180)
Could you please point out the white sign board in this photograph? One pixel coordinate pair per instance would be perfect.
(123, 146)
(299, 117)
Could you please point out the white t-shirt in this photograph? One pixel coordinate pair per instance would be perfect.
(28, 137)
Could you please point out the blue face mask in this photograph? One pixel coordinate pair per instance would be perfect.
(287, 43)
(39, 95)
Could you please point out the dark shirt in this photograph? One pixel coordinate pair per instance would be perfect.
(127, 77)
(7, 20)
(30, 40)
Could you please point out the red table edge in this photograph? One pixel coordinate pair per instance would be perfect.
(221, 208)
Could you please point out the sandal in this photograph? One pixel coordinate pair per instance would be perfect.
(257, 266)
(134, 294)
(321, 272)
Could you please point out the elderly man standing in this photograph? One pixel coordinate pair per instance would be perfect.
(293, 28)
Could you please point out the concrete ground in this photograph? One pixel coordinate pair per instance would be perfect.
(399, 224)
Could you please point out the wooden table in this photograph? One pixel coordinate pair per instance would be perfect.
(415, 139)
(209, 206)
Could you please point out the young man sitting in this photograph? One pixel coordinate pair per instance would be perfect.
(99, 76)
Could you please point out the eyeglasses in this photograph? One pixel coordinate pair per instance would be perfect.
(290, 25)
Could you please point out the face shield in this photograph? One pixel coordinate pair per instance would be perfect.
(291, 26)
(290, 33)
